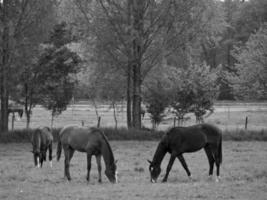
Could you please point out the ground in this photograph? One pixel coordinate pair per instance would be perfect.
(243, 175)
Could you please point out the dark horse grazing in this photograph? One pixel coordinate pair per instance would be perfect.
(42, 139)
(179, 140)
(91, 141)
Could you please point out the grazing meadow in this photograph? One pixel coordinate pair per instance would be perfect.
(243, 171)
(243, 175)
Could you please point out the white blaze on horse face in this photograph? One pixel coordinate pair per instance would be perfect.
(116, 176)
(38, 162)
(51, 165)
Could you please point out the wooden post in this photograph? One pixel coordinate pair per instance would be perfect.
(98, 122)
(174, 121)
(246, 123)
(13, 119)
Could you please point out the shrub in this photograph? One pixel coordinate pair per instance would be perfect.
(24, 135)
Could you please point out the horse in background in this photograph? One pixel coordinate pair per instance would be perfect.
(179, 140)
(42, 140)
(91, 141)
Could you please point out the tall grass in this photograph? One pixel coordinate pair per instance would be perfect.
(24, 135)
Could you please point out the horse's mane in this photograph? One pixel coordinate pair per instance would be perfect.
(105, 139)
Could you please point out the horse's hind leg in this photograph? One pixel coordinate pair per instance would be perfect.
(50, 149)
(210, 158)
(68, 155)
(217, 161)
(89, 158)
(99, 167)
(182, 160)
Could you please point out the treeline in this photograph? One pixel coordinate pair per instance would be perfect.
(177, 54)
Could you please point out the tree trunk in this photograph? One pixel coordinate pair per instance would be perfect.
(137, 97)
(52, 120)
(27, 106)
(129, 69)
(114, 115)
(4, 67)
(129, 96)
(138, 27)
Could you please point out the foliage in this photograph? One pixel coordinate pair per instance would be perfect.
(156, 100)
(24, 25)
(249, 81)
(56, 71)
(196, 91)
(133, 37)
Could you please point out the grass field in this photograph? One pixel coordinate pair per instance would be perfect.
(243, 175)
(227, 115)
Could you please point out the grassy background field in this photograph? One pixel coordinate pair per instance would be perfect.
(227, 115)
(243, 175)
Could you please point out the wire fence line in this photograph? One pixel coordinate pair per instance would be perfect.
(226, 115)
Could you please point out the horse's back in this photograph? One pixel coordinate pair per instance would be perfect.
(80, 138)
(192, 138)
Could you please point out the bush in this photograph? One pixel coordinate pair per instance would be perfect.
(131, 134)
(245, 135)
(24, 135)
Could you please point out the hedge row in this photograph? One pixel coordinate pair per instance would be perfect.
(131, 134)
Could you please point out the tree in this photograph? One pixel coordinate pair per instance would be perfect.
(249, 81)
(243, 19)
(136, 35)
(195, 92)
(25, 25)
(56, 71)
(156, 99)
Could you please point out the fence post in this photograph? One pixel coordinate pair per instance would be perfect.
(174, 121)
(246, 123)
(98, 122)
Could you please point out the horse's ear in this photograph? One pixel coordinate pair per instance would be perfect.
(150, 162)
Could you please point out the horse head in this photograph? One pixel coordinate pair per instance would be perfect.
(154, 171)
(111, 172)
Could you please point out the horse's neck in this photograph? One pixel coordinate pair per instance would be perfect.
(159, 155)
(107, 153)
(37, 141)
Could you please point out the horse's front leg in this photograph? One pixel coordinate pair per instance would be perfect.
(168, 169)
(89, 157)
(99, 167)
(182, 160)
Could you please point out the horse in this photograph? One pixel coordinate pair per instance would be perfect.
(92, 141)
(179, 140)
(42, 139)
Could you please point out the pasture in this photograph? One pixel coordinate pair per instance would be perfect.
(227, 115)
(243, 175)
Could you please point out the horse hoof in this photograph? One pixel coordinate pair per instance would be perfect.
(164, 181)
(217, 179)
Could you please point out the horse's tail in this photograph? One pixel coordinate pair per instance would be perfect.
(59, 149)
(220, 150)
